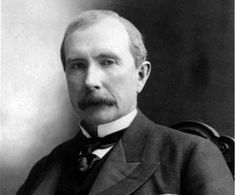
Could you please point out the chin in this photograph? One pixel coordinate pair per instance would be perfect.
(97, 116)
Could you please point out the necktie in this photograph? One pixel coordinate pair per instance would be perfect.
(86, 159)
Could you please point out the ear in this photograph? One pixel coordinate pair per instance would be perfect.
(143, 74)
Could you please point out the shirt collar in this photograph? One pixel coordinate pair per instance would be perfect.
(114, 126)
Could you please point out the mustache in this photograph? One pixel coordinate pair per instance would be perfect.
(93, 100)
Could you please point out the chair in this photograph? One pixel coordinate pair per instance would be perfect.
(224, 143)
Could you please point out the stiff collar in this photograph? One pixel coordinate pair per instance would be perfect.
(114, 126)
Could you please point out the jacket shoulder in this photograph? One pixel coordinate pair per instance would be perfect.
(175, 137)
(40, 168)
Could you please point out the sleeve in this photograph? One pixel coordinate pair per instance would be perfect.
(206, 172)
(33, 178)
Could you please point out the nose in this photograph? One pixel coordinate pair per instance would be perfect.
(93, 77)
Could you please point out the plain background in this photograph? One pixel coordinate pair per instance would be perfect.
(190, 45)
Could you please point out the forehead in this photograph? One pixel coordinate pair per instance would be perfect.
(108, 33)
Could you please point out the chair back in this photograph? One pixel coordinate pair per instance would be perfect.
(224, 143)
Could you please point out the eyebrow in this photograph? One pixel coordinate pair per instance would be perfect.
(108, 55)
(71, 60)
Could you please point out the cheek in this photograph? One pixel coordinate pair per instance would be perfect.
(74, 84)
(123, 85)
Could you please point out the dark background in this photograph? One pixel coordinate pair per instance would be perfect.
(191, 47)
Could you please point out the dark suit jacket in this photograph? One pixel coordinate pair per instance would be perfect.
(149, 159)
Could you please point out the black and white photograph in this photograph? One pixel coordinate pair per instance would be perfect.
(114, 97)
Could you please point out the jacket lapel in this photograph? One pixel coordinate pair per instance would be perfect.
(128, 165)
(113, 171)
(51, 176)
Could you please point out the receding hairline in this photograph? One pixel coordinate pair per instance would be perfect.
(91, 17)
(116, 22)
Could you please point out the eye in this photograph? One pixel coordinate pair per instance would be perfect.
(77, 65)
(108, 62)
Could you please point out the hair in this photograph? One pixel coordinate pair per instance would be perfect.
(88, 18)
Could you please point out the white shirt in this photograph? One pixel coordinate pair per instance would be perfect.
(109, 128)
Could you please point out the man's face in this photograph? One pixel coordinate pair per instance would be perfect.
(100, 71)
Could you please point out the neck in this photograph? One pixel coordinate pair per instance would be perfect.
(91, 129)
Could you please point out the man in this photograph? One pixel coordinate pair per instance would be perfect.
(117, 149)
